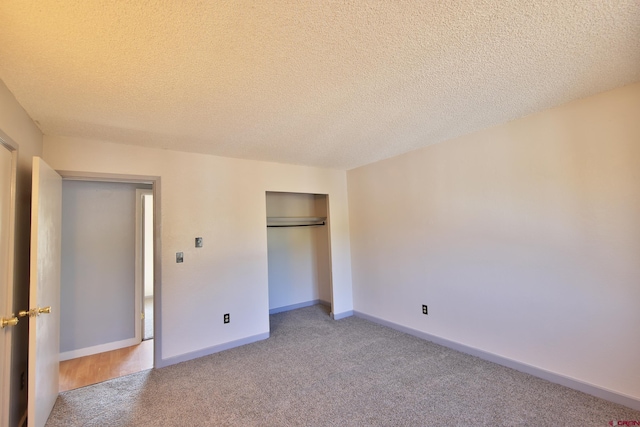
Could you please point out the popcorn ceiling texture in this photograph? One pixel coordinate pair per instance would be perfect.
(334, 84)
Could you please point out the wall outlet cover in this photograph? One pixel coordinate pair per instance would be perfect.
(198, 242)
(179, 257)
(425, 310)
(226, 318)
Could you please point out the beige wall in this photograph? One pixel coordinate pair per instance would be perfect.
(223, 201)
(523, 239)
(17, 124)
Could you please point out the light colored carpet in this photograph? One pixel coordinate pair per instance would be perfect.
(148, 318)
(314, 371)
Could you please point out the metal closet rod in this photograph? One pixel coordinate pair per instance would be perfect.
(296, 225)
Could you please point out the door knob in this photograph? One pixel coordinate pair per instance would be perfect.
(11, 321)
(35, 312)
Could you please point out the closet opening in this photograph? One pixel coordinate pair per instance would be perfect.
(298, 251)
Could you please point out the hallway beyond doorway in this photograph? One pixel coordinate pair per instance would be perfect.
(93, 369)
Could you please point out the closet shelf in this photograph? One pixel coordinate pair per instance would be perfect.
(295, 221)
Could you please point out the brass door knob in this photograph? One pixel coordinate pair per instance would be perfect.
(35, 312)
(11, 321)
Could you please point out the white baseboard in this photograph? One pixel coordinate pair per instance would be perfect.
(338, 316)
(87, 351)
(211, 350)
(554, 377)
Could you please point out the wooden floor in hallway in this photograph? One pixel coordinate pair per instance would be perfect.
(87, 370)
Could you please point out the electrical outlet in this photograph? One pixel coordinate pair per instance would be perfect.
(226, 318)
(179, 257)
(198, 242)
(424, 309)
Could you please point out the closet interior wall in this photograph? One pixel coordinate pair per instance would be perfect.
(298, 256)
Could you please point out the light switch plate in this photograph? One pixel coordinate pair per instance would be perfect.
(179, 257)
(198, 242)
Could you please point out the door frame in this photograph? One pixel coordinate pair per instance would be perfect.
(157, 241)
(141, 262)
(5, 366)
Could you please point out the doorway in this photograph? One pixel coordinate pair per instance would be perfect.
(103, 319)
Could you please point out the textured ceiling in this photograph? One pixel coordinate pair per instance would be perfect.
(333, 83)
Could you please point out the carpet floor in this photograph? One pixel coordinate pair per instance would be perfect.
(314, 371)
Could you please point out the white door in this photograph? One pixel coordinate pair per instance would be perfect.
(44, 292)
(7, 209)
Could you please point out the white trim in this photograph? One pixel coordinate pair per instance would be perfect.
(87, 351)
(553, 377)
